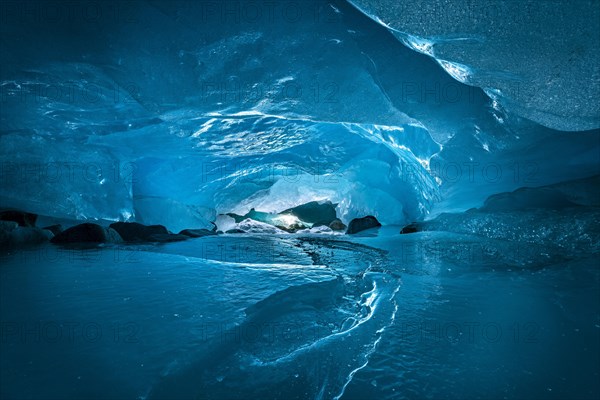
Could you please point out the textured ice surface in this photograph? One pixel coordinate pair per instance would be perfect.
(561, 219)
(220, 113)
(62, 178)
(539, 59)
(247, 316)
(168, 212)
(169, 112)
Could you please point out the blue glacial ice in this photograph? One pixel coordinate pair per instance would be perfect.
(539, 60)
(234, 116)
(476, 124)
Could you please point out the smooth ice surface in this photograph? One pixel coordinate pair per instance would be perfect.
(238, 316)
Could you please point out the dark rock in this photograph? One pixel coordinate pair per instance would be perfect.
(167, 237)
(337, 225)
(314, 212)
(136, 232)
(196, 233)
(12, 235)
(6, 229)
(55, 229)
(26, 235)
(82, 233)
(361, 224)
(113, 236)
(297, 226)
(20, 217)
(235, 230)
(411, 228)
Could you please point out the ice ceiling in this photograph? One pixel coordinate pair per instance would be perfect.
(177, 111)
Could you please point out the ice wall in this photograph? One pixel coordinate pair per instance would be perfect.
(539, 59)
(209, 107)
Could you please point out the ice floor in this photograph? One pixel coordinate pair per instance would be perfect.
(383, 315)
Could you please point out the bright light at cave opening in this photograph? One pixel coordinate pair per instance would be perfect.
(287, 220)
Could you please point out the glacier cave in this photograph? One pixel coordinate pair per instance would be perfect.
(311, 199)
